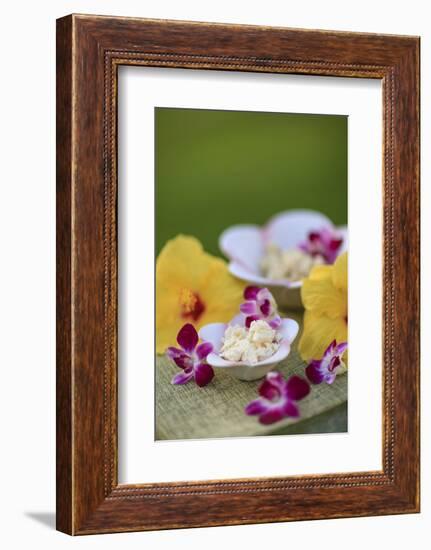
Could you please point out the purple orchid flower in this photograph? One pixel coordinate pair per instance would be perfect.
(325, 369)
(191, 358)
(260, 304)
(325, 243)
(278, 398)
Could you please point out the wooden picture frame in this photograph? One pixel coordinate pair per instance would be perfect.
(89, 51)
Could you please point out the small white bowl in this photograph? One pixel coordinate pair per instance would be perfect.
(244, 245)
(214, 333)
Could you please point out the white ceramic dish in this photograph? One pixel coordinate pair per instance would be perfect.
(214, 333)
(244, 246)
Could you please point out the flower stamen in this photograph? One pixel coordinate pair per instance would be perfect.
(191, 304)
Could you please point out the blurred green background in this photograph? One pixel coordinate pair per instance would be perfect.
(219, 168)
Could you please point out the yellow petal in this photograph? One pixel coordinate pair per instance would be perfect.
(221, 290)
(320, 272)
(339, 272)
(182, 261)
(184, 267)
(166, 335)
(321, 296)
(318, 333)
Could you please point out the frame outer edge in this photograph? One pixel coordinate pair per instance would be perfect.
(84, 505)
(64, 368)
(407, 269)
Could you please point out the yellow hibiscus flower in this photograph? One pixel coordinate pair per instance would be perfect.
(191, 287)
(324, 295)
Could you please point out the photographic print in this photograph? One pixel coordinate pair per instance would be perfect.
(251, 273)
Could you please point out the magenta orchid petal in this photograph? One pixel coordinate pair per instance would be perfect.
(270, 390)
(278, 398)
(188, 338)
(274, 414)
(173, 352)
(184, 362)
(192, 357)
(335, 244)
(250, 319)
(330, 350)
(249, 308)
(276, 379)
(182, 377)
(330, 378)
(265, 308)
(341, 348)
(251, 292)
(264, 294)
(334, 363)
(326, 243)
(203, 350)
(313, 372)
(179, 357)
(275, 322)
(258, 406)
(260, 305)
(290, 409)
(297, 388)
(327, 368)
(203, 374)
